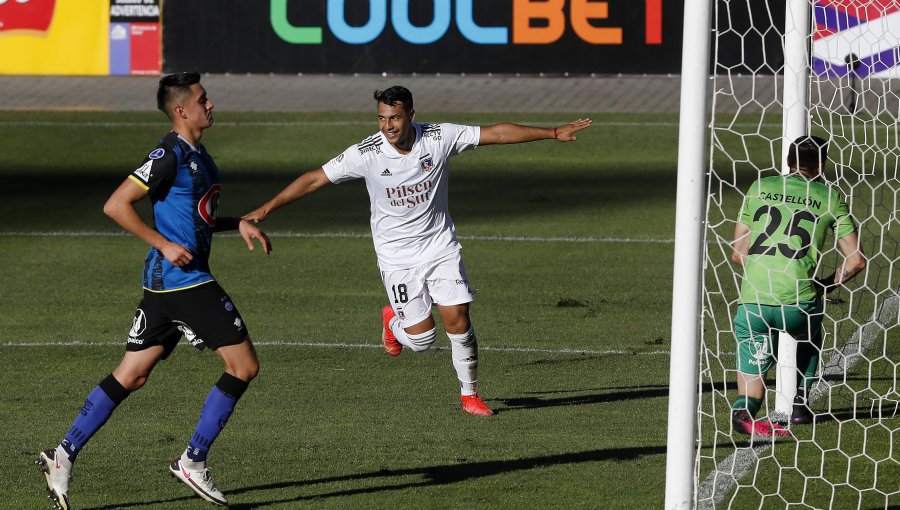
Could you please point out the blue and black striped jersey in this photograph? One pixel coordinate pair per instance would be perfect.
(183, 184)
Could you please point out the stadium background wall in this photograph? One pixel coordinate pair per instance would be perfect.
(436, 36)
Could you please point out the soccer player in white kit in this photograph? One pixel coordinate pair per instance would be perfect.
(405, 167)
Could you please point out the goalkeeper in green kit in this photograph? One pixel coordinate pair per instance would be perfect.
(778, 239)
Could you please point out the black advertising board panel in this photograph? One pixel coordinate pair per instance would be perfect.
(423, 36)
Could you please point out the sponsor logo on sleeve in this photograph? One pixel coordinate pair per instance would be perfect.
(143, 173)
(157, 153)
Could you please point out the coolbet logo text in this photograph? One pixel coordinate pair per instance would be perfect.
(533, 22)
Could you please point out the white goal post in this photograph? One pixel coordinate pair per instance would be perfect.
(692, 158)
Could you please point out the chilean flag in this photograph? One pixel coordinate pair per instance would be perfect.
(860, 35)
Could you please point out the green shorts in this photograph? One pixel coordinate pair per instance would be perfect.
(756, 330)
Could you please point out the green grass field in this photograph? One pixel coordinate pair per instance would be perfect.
(569, 246)
(573, 323)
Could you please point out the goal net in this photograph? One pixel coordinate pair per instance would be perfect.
(850, 456)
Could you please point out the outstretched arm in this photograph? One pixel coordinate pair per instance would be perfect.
(302, 186)
(120, 207)
(517, 133)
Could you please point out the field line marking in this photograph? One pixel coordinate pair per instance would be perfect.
(722, 480)
(356, 235)
(345, 345)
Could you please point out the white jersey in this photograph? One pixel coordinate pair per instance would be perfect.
(410, 214)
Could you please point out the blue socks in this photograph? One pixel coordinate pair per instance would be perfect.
(98, 407)
(216, 411)
(107, 395)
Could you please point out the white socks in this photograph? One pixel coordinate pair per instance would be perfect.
(418, 342)
(464, 350)
(62, 458)
(190, 464)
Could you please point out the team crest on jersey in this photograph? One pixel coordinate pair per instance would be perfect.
(194, 167)
(157, 153)
(209, 204)
(426, 164)
(143, 173)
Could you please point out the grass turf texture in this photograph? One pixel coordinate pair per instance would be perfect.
(349, 427)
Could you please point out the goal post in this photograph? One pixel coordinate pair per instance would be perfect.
(686, 283)
(795, 123)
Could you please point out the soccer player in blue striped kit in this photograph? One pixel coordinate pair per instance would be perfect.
(181, 297)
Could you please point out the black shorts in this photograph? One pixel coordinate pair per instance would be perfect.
(205, 315)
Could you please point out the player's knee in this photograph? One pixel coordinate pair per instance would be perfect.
(250, 372)
(247, 371)
(463, 339)
(133, 382)
(458, 322)
(422, 341)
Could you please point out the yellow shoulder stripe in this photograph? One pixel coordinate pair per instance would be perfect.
(140, 182)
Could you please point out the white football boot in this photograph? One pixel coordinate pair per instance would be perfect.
(57, 478)
(199, 480)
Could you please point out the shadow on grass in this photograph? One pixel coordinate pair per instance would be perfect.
(427, 476)
(446, 474)
(490, 194)
(513, 404)
(624, 393)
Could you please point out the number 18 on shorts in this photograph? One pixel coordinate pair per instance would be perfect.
(412, 292)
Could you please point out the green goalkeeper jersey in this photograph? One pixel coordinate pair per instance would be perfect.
(789, 218)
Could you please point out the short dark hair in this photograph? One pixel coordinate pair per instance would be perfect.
(394, 95)
(173, 85)
(807, 152)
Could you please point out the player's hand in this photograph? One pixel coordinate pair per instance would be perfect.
(256, 215)
(176, 254)
(567, 133)
(249, 232)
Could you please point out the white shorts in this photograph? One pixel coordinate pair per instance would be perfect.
(413, 291)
